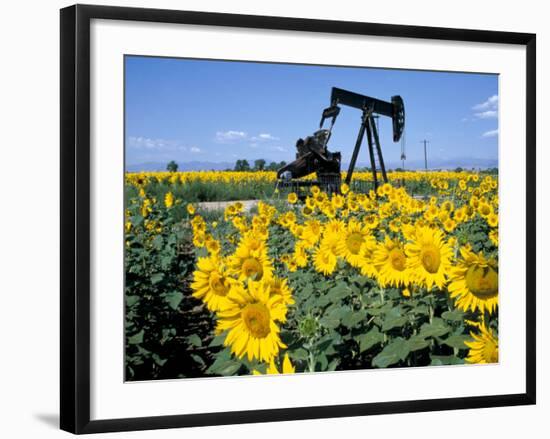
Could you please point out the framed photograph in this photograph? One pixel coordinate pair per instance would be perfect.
(275, 218)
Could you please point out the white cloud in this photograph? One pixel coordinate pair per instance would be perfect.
(489, 114)
(487, 109)
(195, 149)
(145, 143)
(150, 144)
(267, 136)
(491, 133)
(264, 137)
(230, 136)
(490, 104)
(280, 148)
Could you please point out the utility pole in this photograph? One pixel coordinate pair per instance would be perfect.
(425, 154)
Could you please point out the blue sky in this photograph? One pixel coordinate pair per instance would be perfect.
(221, 111)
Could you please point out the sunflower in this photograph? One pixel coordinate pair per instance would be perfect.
(250, 320)
(431, 212)
(429, 257)
(212, 245)
(300, 255)
(449, 225)
(372, 221)
(280, 287)
(199, 239)
(492, 220)
(391, 263)
(146, 208)
(297, 230)
(335, 227)
(291, 265)
(355, 236)
(366, 264)
(353, 205)
(251, 264)
(287, 367)
(310, 203)
(459, 215)
(191, 209)
(324, 260)
(331, 241)
(493, 236)
(474, 282)
(292, 198)
(394, 225)
(312, 232)
(240, 223)
(211, 283)
(169, 200)
(337, 201)
(485, 209)
(484, 347)
(328, 209)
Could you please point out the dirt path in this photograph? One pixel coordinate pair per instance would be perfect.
(217, 205)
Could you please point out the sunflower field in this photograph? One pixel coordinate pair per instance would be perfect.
(403, 276)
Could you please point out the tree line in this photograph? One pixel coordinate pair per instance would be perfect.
(259, 165)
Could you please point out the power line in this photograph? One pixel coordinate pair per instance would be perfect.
(403, 155)
(425, 153)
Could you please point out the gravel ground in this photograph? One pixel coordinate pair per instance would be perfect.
(216, 205)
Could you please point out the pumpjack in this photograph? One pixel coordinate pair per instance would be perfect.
(313, 156)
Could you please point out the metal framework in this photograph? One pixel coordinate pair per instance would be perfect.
(312, 152)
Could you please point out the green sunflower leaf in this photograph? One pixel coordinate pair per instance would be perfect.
(371, 338)
(457, 341)
(392, 353)
(436, 329)
(453, 316)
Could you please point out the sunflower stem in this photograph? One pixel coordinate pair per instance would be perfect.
(431, 309)
(311, 361)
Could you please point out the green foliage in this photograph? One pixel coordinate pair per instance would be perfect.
(259, 165)
(199, 191)
(343, 322)
(172, 166)
(242, 165)
(165, 326)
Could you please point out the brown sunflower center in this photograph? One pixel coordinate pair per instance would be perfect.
(354, 241)
(213, 245)
(485, 209)
(430, 257)
(254, 244)
(482, 281)
(218, 284)
(252, 267)
(275, 287)
(256, 317)
(397, 259)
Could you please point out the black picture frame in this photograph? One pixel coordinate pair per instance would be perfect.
(75, 217)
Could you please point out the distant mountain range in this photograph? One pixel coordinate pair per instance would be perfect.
(466, 163)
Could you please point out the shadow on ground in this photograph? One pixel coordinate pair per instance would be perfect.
(50, 419)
